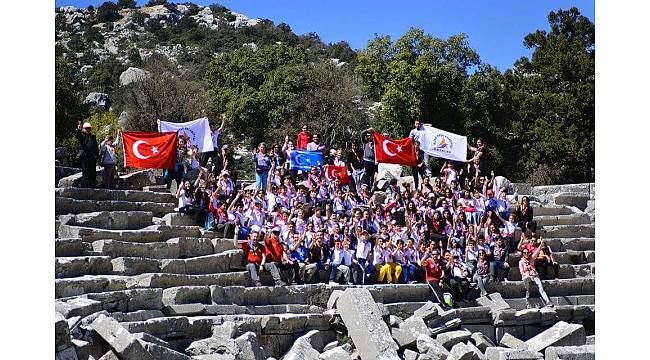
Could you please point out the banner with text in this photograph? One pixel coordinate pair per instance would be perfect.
(443, 144)
(197, 131)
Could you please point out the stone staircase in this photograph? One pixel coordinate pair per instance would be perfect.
(125, 257)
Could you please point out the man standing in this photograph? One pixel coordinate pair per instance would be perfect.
(369, 163)
(355, 164)
(303, 138)
(416, 134)
(214, 133)
(108, 160)
(88, 155)
(419, 170)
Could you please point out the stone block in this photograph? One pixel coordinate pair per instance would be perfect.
(134, 265)
(482, 341)
(451, 338)
(110, 355)
(591, 340)
(338, 353)
(560, 334)
(409, 331)
(368, 331)
(129, 300)
(160, 352)
(431, 347)
(410, 355)
(68, 247)
(334, 296)
(186, 295)
(512, 342)
(584, 352)
(138, 315)
(191, 247)
(65, 267)
(461, 351)
(223, 347)
(302, 349)
(136, 180)
(426, 311)
(119, 339)
(477, 352)
(61, 332)
(249, 347)
(78, 307)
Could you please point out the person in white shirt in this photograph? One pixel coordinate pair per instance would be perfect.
(340, 263)
(214, 134)
(315, 145)
(390, 269)
(255, 216)
(362, 268)
(416, 134)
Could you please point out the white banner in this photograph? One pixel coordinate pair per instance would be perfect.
(197, 131)
(443, 144)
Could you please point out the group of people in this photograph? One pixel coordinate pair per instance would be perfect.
(454, 230)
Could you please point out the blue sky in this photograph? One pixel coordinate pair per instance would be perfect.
(495, 29)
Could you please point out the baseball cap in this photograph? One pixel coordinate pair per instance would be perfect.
(87, 125)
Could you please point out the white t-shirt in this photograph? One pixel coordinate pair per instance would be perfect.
(215, 138)
(451, 175)
(184, 200)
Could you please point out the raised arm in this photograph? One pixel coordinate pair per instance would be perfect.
(223, 122)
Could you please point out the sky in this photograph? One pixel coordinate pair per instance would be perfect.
(495, 29)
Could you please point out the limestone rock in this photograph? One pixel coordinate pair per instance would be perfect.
(98, 99)
(249, 347)
(137, 180)
(338, 353)
(584, 352)
(481, 341)
(560, 334)
(213, 345)
(432, 348)
(119, 339)
(61, 332)
(132, 75)
(365, 325)
(512, 342)
(408, 331)
(451, 338)
(461, 351)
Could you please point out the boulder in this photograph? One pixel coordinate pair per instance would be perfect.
(61, 332)
(482, 342)
(512, 342)
(410, 355)
(132, 75)
(560, 334)
(365, 325)
(119, 339)
(74, 180)
(426, 311)
(213, 345)
(334, 296)
(97, 99)
(302, 349)
(338, 353)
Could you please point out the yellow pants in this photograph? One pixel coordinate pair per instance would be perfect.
(387, 271)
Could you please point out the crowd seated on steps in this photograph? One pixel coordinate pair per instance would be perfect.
(452, 230)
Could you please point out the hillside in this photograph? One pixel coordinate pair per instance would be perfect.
(126, 66)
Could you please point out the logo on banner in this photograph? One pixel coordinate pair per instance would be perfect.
(185, 131)
(442, 144)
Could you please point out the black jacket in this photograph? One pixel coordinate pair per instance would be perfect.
(88, 144)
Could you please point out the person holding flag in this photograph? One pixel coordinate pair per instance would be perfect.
(88, 154)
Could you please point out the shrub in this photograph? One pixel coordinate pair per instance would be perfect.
(108, 12)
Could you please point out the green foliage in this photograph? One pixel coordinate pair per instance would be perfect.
(105, 76)
(269, 93)
(108, 12)
(156, 2)
(68, 105)
(126, 4)
(134, 57)
(93, 34)
(104, 123)
(138, 17)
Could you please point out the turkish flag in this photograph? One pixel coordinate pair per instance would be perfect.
(389, 151)
(338, 171)
(149, 150)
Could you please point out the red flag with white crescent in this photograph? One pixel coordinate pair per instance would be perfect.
(341, 172)
(149, 150)
(401, 151)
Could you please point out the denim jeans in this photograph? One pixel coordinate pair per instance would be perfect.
(540, 288)
(409, 272)
(495, 266)
(260, 180)
(338, 271)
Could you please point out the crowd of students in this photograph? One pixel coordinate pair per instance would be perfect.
(453, 230)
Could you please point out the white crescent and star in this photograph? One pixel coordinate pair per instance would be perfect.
(137, 153)
(388, 152)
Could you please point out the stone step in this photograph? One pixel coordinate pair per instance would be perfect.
(566, 231)
(571, 257)
(549, 210)
(115, 195)
(197, 309)
(110, 220)
(520, 304)
(174, 248)
(157, 189)
(573, 219)
(192, 327)
(565, 271)
(153, 233)
(175, 218)
(66, 267)
(577, 244)
(64, 205)
(100, 283)
(584, 188)
(70, 247)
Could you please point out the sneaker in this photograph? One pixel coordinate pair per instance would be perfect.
(333, 283)
(550, 305)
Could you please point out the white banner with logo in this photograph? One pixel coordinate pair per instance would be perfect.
(443, 144)
(197, 131)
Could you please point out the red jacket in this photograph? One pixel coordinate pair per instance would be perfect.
(273, 249)
(302, 140)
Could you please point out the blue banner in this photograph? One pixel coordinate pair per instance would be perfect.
(304, 160)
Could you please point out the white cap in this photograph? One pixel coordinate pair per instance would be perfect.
(87, 125)
(255, 228)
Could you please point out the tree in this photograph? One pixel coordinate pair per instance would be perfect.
(68, 105)
(126, 4)
(156, 2)
(165, 94)
(554, 94)
(108, 12)
(105, 76)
